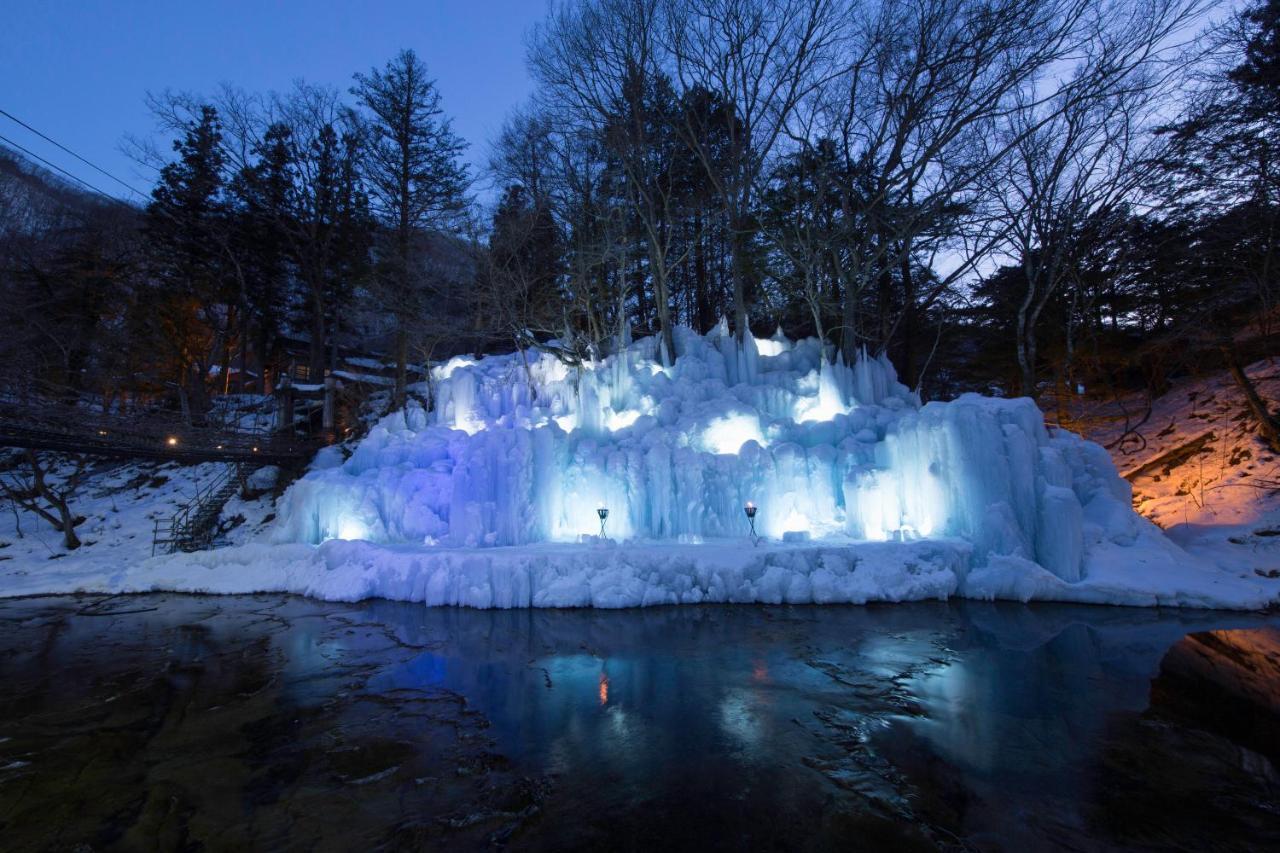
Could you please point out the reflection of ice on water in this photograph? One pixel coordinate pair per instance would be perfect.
(743, 716)
(737, 713)
(1007, 703)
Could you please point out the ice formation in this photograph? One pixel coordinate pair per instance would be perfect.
(491, 498)
(523, 448)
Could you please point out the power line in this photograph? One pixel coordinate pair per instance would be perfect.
(58, 168)
(58, 144)
(167, 213)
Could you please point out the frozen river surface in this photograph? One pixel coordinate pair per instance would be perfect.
(249, 722)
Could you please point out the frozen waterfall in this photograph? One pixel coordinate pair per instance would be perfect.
(521, 451)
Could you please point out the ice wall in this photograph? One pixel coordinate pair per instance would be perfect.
(523, 448)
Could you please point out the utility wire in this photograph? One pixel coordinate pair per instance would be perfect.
(53, 141)
(58, 168)
(167, 213)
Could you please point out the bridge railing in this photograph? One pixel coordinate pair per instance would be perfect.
(78, 428)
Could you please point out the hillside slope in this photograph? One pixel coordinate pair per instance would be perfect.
(1198, 467)
(120, 502)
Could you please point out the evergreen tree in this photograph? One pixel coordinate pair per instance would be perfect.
(187, 221)
(525, 262)
(416, 182)
(263, 191)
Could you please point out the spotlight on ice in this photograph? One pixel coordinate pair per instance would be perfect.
(727, 434)
(525, 448)
(351, 528)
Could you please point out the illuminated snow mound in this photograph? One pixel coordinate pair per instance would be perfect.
(521, 450)
(490, 498)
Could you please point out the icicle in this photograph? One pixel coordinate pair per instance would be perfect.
(822, 448)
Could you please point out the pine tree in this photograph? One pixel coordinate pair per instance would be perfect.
(187, 221)
(416, 182)
(263, 192)
(187, 206)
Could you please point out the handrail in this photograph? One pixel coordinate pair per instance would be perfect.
(181, 529)
(73, 428)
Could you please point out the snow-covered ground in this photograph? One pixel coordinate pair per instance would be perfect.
(862, 495)
(120, 503)
(604, 574)
(1198, 467)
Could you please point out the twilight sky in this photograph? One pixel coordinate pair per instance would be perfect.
(78, 71)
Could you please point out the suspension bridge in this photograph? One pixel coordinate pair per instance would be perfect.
(75, 428)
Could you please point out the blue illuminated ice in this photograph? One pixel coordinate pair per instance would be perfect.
(523, 448)
(489, 497)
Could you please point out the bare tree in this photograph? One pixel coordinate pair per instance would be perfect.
(763, 58)
(601, 65)
(1081, 156)
(36, 492)
(925, 83)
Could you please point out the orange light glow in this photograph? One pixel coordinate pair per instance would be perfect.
(172, 441)
(759, 671)
(604, 689)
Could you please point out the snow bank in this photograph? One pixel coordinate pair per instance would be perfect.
(487, 499)
(1194, 456)
(610, 575)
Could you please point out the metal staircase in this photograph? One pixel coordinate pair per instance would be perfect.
(195, 524)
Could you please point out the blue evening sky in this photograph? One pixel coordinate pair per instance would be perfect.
(79, 71)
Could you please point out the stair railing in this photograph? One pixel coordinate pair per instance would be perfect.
(191, 526)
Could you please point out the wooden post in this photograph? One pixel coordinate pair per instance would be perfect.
(330, 385)
(284, 406)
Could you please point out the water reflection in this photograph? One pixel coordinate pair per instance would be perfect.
(878, 707)
(1227, 683)
(932, 724)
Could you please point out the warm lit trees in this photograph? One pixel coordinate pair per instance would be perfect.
(189, 229)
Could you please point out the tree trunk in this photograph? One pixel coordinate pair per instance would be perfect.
(662, 297)
(315, 352)
(884, 304)
(1026, 361)
(65, 522)
(246, 334)
(402, 362)
(738, 248)
(700, 278)
(642, 293)
(907, 361)
(1267, 424)
(224, 360)
(1024, 332)
(848, 326)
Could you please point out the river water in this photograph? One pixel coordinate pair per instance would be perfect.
(275, 722)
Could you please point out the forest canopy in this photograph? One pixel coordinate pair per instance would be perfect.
(1018, 196)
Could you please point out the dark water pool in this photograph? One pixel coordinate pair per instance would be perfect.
(271, 722)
